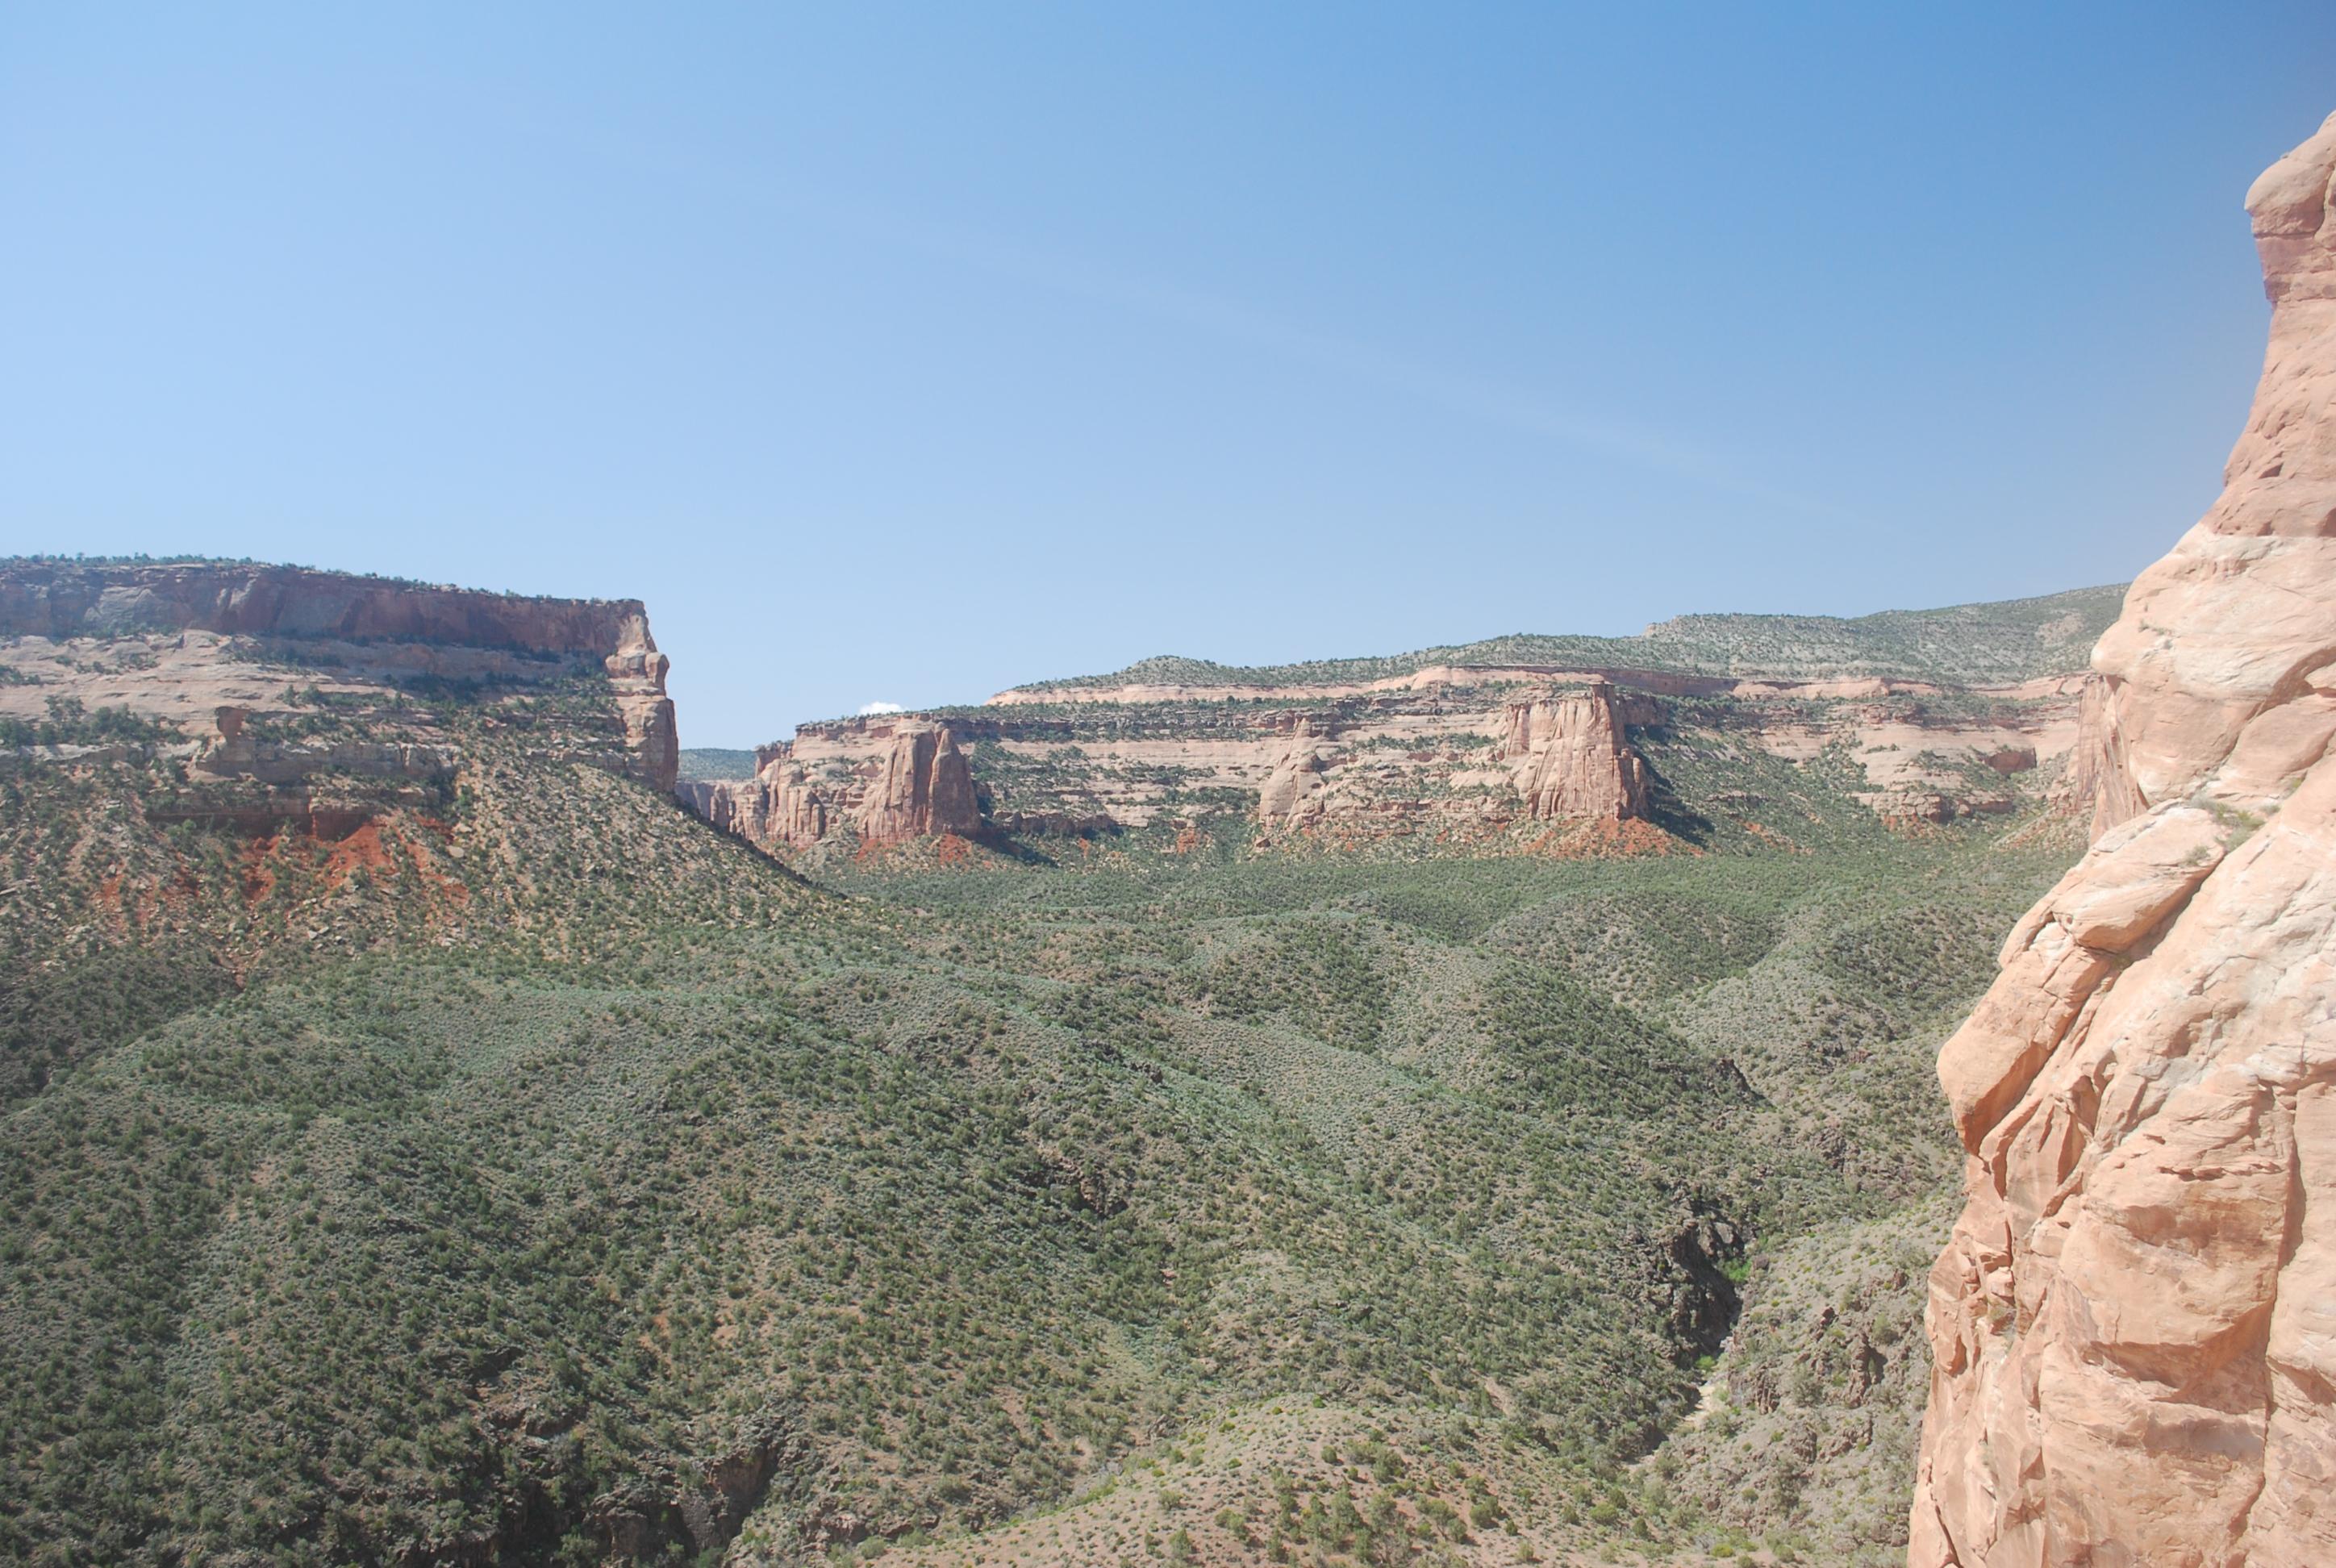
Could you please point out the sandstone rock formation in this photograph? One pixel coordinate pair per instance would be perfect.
(230, 752)
(777, 808)
(1571, 758)
(1448, 760)
(2133, 1325)
(637, 674)
(925, 788)
(63, 599)
(893, 779)
(1292, 793)
(360, 633)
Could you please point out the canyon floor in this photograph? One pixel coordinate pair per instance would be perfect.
(427, 1141)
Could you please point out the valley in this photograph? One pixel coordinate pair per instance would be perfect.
(1478, 1107)
(430, 1141)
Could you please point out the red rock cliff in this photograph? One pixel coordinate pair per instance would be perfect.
(776, 808)
(60, 600)
(2134, 1326)
(1572, 758)
(925, 787)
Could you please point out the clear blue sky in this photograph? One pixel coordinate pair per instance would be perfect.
(909, 353)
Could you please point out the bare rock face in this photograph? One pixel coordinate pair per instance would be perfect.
(916, 783)
(776, 808)
(1292, 794)
(637, 673)
(374, 630)
(1570, 757)
(58, 600)
(2133, 1325)
(1454, 757)
(925, 788)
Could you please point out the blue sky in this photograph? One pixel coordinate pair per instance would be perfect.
(907, 353)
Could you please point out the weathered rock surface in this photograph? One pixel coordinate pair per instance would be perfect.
(175, 642)
(58, 599)
(2133, 1325)
(1292, 793)
(637, 675)
(777, 808)
(1571, 756)
(1459, 756)
(925, 788)
(898, 779)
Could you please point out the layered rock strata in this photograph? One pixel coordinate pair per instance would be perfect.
(1464, 757)
(60, 599)
(1293, 794)
(918, 785)
(777, 808)
(2133, 1325)
(181, 642)
(1572, 759)
(924, 788)
(637, 673)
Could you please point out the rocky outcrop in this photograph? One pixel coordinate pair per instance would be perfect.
(356, 633)
(776, 808)
(229, 751)
(2133, 1325)
(925, 788)
(907, 779)
(676, 1506)
(1571, 758)
(1292, 793)
(59, 599)
(637, 675)
(1450, 763)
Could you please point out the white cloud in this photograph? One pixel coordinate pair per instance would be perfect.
(867, 707)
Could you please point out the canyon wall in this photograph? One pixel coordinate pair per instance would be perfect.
(2133, 1325)
(62, 599)
(1576, 760)
(214, 650)
(1455, 755)
(907, 780)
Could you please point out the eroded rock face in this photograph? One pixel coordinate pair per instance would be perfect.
(910, 780)
(2133, 1325)
(637, 673)
(1571, 758)
(925, 788)
(1447, 762)
(63, 599)
(1293, 794)
(367, 632)
(776, 808)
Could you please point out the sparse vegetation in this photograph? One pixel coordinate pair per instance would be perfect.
(526, 1172)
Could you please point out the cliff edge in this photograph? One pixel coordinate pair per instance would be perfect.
(211, 629)
(2134, 1324)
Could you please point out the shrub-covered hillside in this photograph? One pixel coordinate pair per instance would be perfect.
(535, 1175)
(2001, 642)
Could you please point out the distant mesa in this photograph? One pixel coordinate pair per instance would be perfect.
(1473, 749)
(210, 649)
(1477, 757)
(2003, 643)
